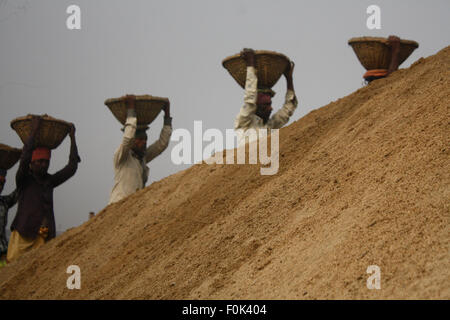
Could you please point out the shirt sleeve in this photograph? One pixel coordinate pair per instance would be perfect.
(69, 170)
(25, 159)
(127, 140)
(160, 145)
(281, 117)
(247, 112)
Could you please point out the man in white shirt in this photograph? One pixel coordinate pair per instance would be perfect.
(255, 114)
(130, 159)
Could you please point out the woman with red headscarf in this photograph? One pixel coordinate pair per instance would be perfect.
(34, 223)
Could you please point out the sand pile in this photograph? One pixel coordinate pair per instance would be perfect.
(362, 181)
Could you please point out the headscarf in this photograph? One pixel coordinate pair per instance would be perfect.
(268, 91)
(264, 98)
(41, 153)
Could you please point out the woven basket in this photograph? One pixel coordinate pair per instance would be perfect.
(375, 53)
(51, 132)
(147, 108)
(269, 64)
(8, 156)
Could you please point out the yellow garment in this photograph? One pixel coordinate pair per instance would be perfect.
(18, 245)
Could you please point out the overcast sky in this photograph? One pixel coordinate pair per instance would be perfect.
(174, 49)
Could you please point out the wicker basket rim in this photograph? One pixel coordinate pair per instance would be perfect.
(139, 97)
(44, 117)
(382, 40)
(257, 52)
(7, 148)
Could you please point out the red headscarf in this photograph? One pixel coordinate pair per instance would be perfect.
(264, 98)
(41, 153)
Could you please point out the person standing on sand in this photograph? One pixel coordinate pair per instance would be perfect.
(255, 114)
(130, 159)
(6, 202)
(34, 223)
(394, 43)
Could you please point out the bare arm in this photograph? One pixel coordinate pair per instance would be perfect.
(394, 43)
(288, 75)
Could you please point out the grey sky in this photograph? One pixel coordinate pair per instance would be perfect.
(174, 49)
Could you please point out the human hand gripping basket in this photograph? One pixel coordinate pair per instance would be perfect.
(51, 133)
(375, 53)
(147, 108)
(270, 67)
(8, 156)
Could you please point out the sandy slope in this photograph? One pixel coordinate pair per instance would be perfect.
(362, 181)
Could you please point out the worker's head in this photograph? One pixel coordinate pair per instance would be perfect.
(140, 142)
(40, 161)
(264, 105)
(2, 179)
(375, 74)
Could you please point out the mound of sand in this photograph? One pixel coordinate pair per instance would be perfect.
(362, 181)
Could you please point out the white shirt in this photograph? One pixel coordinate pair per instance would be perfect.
(247, 119)
(131, 173)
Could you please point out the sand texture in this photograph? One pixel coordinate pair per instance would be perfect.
(363, 181)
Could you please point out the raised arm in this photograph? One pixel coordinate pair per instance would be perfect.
(27, 151)
(129, 132)
(281, 117)
(161, 144)
(244, 118)
(69, 170)
(394, 43)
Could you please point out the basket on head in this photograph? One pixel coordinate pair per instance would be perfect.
(8, 156)
(51, 131)
(375, 53)
(147, 108)
(270, 66)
